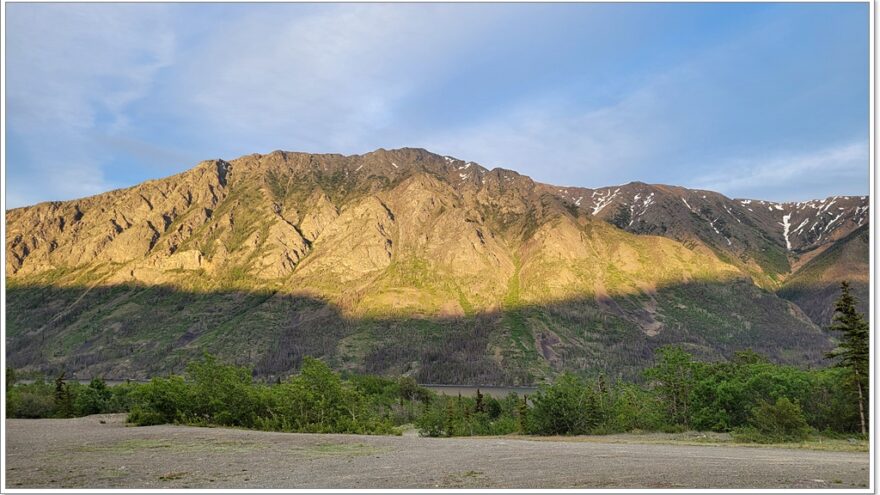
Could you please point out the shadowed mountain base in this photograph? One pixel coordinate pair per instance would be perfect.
(135, 331)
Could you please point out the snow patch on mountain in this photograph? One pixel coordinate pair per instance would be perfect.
(604, 200)
(731, 214)
(785, 228)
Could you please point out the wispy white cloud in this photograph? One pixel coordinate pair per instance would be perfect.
(97, 88)
(557, 142)
(695, 123)
(794, 171)
(331, 78)
(58, 96)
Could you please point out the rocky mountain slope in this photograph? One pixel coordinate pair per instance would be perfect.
(816, 285)
(404, 261)
(767, 240)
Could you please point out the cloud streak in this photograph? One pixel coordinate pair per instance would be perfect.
(329, 79)
(57, 96)
(562, 144)
(798, 174)
(716, 96)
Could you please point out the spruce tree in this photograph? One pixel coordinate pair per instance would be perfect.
(479, 406)
(450, 419)
(63, 397)
(853, 351)
(10, 377)
(522, 413)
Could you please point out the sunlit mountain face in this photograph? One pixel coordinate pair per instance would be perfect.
(407, 262)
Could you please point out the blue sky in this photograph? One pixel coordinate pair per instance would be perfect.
(766, 101)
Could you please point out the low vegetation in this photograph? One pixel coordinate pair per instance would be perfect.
(755, 400)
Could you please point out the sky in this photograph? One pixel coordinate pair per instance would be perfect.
(763, 101)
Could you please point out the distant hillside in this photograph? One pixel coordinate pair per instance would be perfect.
(816, 285)
(404, 261)
(764, 239)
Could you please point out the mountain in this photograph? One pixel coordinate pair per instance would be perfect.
(781, 246)
(767, 240)
(404, 261)
(816, 285)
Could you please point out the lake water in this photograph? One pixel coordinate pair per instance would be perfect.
(451, 390)
(470, 391)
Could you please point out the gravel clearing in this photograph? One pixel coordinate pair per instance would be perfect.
(102, 452)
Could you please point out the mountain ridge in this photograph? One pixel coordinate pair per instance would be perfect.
(408, 235)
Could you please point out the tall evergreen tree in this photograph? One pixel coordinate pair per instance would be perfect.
(63, 397)
(480, 405)
(522, 414)
(853, 351)
(10, 377)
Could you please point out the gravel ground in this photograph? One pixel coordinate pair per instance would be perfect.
(101, 452)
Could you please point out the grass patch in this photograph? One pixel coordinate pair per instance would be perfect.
(698, 438)
(139, 446)
(341, 449)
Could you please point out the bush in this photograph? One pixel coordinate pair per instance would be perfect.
(393, 400)
(568, 407)
(31, 405)
(830, 406)
(318, 401)
(466, 416)
(782, 421)
(432, 421)
(94, 399)
(122, 397)
(163, 400)
(221, 394)
(142, 416)
(34, 400)
(634, 409)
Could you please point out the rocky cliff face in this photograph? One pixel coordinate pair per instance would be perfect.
(408, 262)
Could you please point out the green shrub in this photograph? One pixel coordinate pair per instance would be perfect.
(633, 408)
(466, 416)
(782, 421)
(162, 400)
(673, 377)
(318, 401)
(141, 416)
(431, 423)
(34, 400)
(31, 405)
(221, 394)
(122, 397)
(503, 425)
(94, 399)
(831, 405)
(568, 407)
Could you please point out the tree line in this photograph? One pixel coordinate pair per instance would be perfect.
(747, 395)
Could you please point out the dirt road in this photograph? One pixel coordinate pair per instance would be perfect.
(87, 453)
